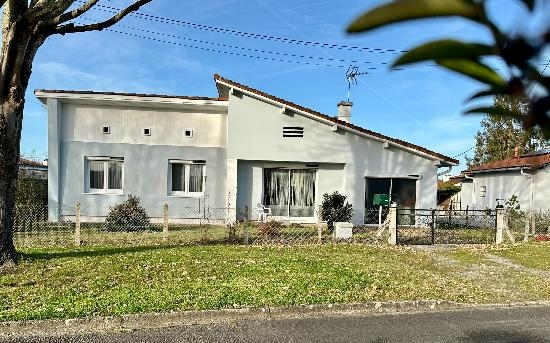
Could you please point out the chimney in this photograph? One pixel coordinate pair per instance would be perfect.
(344, 111)
(516, 152)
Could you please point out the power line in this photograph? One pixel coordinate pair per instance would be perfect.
(462, 153)
(244, 34)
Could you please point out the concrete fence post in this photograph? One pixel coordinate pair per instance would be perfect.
(501, 225)
(77, 241)
(165, 223)
(319, 226)
(392, 224)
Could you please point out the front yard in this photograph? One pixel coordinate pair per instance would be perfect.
(69, 282)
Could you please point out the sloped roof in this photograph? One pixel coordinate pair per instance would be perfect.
(142, 95)
(531, 161)
(224, 93)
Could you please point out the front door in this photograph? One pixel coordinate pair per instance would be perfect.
(290, 192)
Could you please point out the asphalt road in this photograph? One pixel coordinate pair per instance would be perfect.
(519, 324)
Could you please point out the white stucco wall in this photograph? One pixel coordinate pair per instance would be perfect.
(542, 189)
(255, 133)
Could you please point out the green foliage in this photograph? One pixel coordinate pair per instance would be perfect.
(501, 134)
(335, 208)
(519, 53)
(516, 217)
(31, 191)
(127, 216)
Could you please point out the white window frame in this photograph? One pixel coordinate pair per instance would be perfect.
(105, 189)
(187, 166)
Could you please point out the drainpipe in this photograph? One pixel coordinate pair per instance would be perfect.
(473, 189)
(531, 195)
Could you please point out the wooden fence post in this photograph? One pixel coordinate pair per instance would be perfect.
(392, 224)
(165, 223)
(77, 241)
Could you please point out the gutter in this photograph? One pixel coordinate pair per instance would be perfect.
(473, 189)
(532, 188)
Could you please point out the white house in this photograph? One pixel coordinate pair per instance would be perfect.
(527, 177)
(243, 148)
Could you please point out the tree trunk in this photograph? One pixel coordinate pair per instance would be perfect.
(10, 136)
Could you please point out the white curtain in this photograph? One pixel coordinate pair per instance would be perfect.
(115, 175)
(289, 190)
(302, 193)
(97, 176)
(195, 177)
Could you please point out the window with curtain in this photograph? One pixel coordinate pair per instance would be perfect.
(186, 178)
(290, 192)
(104, 174)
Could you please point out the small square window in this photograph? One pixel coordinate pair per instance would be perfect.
(482, 191)
(106, 129)
(188, 133)
(147, 132)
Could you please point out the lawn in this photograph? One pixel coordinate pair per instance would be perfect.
(95, 280)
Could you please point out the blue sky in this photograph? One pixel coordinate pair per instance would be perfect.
(164, 52)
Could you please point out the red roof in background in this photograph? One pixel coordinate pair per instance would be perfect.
(224, 94)
(531, 161)
(30, 163)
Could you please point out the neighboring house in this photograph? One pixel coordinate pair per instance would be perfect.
(32, 169)
(526, 176)
(244, 148)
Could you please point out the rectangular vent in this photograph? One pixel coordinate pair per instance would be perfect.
(293, 131)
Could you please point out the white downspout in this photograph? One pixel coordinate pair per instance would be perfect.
(445, 171)
(531, 195)
(473, 190)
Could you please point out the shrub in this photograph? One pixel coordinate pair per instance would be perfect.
(335, 208)
(127, 216)
(270, 229)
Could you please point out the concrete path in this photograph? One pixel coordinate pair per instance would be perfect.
(502, 324)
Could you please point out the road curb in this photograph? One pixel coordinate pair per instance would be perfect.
(59, 327)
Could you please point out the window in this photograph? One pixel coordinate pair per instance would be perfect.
(106, 129)
(482, 191)
(186, 178)
(188, 133)
(290, 192)
(104, 174)
(147, 132)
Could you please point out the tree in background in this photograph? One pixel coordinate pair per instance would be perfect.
(500, 135)
(26, 24)
(467, 58)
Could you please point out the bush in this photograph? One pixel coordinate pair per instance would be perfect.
(335, 208)
(32, 191)
(270, 229)
(127, 216)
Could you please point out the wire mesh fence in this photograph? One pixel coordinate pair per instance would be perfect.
(130, 225)
(528, 225)
(421, 226)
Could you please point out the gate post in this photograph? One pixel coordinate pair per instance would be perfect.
(501, 225)
(392, 224)
(433, 226)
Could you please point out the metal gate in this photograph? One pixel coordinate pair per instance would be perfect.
(425, 227)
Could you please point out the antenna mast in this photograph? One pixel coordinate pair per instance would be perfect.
(351, 75)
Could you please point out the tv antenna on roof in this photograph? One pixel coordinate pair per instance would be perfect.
(351, 75)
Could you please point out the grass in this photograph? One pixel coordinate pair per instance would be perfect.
(528, 255)
(106, 280)
(66, 283)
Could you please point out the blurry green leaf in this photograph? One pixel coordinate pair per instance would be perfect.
(488, 92)
(495, 110)
(402, 10)
(473, 69)
(445, 49)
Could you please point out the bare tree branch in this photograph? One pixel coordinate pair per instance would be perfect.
(74, 13)
(71, 28)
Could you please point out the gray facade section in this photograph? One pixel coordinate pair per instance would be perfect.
(55, 108)
(145, 175)
(255, 134)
